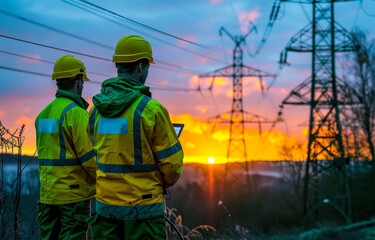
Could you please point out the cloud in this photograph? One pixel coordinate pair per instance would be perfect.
(222, 81)
(190, 145)
(201, 60)
(204, 139)
(25, 120)
(201, 109)
(191, 38)
(244, 19)
(220, 85)
(251, 84)
(2, 114)
(194, 81)
(36, 56)
(213, 2)
(164, 82)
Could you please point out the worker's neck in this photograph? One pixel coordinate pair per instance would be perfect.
(131, 77)
(75, 91)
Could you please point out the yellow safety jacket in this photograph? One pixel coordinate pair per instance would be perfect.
(137, 152)
(66, 158)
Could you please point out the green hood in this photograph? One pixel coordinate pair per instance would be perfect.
(117, 94)
(72, 96)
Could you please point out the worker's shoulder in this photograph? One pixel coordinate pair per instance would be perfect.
(68, 106)
(155, 105)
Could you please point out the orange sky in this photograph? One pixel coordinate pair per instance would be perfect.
(199, 142)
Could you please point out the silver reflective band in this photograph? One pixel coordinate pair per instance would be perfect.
(113, 126)
(47, 125)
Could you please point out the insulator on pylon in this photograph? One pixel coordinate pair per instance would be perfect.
(273, 10)
(285, 56)
(277, 12)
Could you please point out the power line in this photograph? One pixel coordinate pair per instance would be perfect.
(47, 61)
(92, 56)
(146, 26)
(25, 71)
(365, 11)
(54, 29)
(161, 88)
(356, 15)
(235, 13)
(273, 17)
(95, 12)
(173, 89)
(76, 36)
(56, 48)
(181, 71)
(34, 73)
(79, 37)
(27, 57)
(305, 12)
(191, 12)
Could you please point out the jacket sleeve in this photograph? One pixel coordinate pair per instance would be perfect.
(82, 143)
(166, 147)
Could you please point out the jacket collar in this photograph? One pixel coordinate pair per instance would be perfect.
(72, 96)
(129, 78)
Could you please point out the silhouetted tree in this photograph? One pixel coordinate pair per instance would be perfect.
(359, 75)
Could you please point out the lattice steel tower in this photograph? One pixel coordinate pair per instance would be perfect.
(236, 153)
(323, 37)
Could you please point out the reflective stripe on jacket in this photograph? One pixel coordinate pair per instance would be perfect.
(137, 153)
(66, 158)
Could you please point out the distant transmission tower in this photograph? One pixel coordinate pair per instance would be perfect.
(12, 142)
(323, 37)
(236, 153)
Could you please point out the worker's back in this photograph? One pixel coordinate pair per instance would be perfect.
(131, 161)
(62, 176)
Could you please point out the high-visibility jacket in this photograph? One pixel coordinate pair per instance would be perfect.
(66, 158)
(137, 152)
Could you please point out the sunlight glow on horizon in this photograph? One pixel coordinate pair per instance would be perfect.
(211, 160)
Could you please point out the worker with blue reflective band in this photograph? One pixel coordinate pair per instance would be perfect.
(67, 166)
(138, 152)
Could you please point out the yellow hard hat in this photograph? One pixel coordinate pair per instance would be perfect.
(68, 66)
(131, 48)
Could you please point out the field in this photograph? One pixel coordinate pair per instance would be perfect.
(205, 206)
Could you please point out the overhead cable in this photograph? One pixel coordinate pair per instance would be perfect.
(365, 11)
(86, 39)
(273, 17)
(82, 38)
(92, 56)
(305, 12)
(47, 61)
(25, 71)
(55, 29)
(146, 26)
(94, 12)
(161, 88)
(56, 48)
(27, 57)
(187, 10)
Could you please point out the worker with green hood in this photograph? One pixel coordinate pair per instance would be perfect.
(138, 152)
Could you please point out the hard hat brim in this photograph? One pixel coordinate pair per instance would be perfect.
(132, 58)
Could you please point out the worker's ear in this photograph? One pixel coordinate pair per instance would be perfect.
(140, 67)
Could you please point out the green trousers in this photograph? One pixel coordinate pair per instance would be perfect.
(63, 222)
(112, 229)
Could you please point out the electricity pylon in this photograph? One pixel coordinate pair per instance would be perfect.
(323, 38)
(12, 142)
(236, 152)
